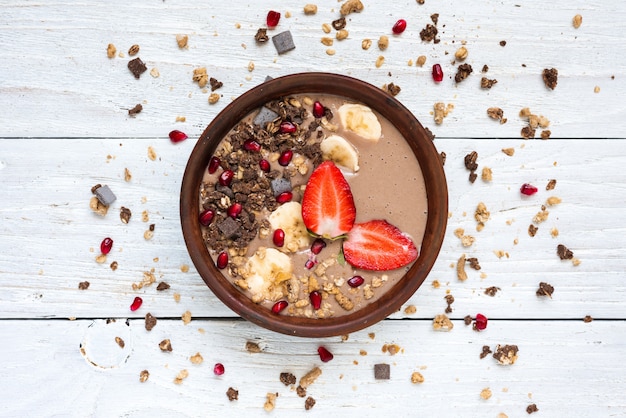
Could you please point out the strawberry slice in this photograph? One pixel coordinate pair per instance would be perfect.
(328, 207)
(378, 245)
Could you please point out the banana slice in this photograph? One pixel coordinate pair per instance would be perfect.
(288, 217)
(361, 120)
(265, 273)
(340, 151)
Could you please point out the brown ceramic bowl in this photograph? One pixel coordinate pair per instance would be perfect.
(388, 107)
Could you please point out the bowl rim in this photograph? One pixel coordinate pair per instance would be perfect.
(352, 89)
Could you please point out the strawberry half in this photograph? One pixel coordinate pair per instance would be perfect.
(328, 207)
(378, 245)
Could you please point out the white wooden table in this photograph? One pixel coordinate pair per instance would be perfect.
(65, 127)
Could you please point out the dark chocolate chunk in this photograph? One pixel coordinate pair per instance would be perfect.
(163, 286)
(309, 403)
(283, 42)
(280, 185)
(105, 195)
(564, 253)
(264, 116)
(545, 289)
(232, 394)
(137, 109)
(137, 67)
(381, 371)
(83, 285)
(150, 321)
(229, 227)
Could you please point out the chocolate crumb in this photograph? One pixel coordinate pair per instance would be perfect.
(506, 354)
(125, 214)
(545, 289)
(429, 33)
(502, 43)
(381, 371)
(528, 132)
(83, 285)
(137, 109)
(463, 72)
(487, 83)
(392, 89)
(232, 394)
(215, 84)
(261, 35)
(486, 351)
(485, 68)
(564, 253)
(309, 403)
(287, 378)
(120, 342)
(470, 161)
(165, 345)
(113, 265)
(532, 230)
(150, 321)
(339, 23)
(252, 347)
(491, 291)
(144, 375)
(467, 319)
(551, 184)
(300, 391)
(474, 263)
(442, 156)
(532, 408)
(162, 286)
(449, 301)
(587, 319)
(435, 18)
(137, 67)
(550, 77)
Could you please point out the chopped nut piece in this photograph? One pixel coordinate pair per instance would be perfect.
(460, 268)
(506, 354)
(144, 375)
(481, 215)
(327, 41)
(270, 401)
(417, 377)
(339, 24)
(379, 61)
(532, 230)
(150, 321)
(383, 42)
(83, 285)
(553, 200)
(186, 317)
(309, 403)
(351, 6)
(587, 319)
(120, 342)
(487, 174)
(252, 347)
(133, 50)
(551, 184)
(310, 377)
(392, 89)
(330, 51)
(137, 67)
(152, 155)
(310, 9)
(200, 76)
(182, 375)
(326, 28)
(441, 322)
(341, 34)
(125, 214)
(196, 358)
(577, 20)
(486, 351)
(162, 286)
(429, 33)
(366, 43)
(461, 53)
(182, 41)
(111, 51)
(564, 253)
(508, 151)
(421, 60)
(287, 379)
(411, 309)
(261, 35)
(165, 345)
(137, 109)
(491, 291)
(463, 72)
(485, 393)
(214, 98)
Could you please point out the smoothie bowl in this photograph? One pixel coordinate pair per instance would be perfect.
(314, 205)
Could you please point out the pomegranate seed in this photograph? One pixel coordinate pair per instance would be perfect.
(206, 217)
(325, 355)
(528, 189)
(106, 245)
(285, 158)
(279, 238)
(279, 306)
(318, 245)
(234, 210)
(214, 164)
(218, 369)
(318, 109)
(355, 281)
(272, 18)
(137, 302)
(222, 260)
(252, 145)
(287, 127)
(264, 165)
(177, 136)
(316, 299)
(284, 197)
(399, 27)
(309, 264)
(480, 322)
(437, 73)
(226, 177)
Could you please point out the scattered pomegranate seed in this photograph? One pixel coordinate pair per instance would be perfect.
(214, 164)
(284, 197)
(218, 369)
(279, 238)
(106, 245)
(287, 127)
(325, 355)
(437, 73)
(318, 245)
(309, 264)
(177, 136)
(316, 299)
(355, 281)
(480, 322)
(226, 177)
(272, 18)
(318, 109)
(222, 260)
(206, 217)
(279, 306)
(528, 189)
(264, 165)
(234, 210)
(399, 27)
(285, 158)
(252, 145)
(137, 302)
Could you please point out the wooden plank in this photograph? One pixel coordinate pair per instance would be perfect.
(50, 238)
(57, 80)
(567, 368)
